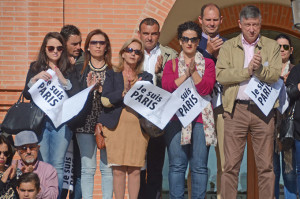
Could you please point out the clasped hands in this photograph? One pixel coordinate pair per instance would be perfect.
(255, 63)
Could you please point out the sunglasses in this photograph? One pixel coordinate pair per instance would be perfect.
(130, 50)
(94, 43)
(187, 39)
(5, 153)
(52, 48)
(23, 149)
(285, 46)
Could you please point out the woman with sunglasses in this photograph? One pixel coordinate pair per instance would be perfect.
(190, 144)
(125, 143)
(97, 61)
(53, 141)
(288, 157)
(8, 180)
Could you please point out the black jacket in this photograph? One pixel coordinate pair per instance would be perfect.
(112, 89)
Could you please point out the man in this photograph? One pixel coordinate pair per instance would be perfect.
(156, 56)
(247, 55)
(210, 19)
(27, 146)
(73, 40)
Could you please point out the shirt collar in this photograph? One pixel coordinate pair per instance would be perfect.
(154, 50)
(206, 36)
(244, 42)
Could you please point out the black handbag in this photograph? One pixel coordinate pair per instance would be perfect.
(23, 116)
(149, 128)
(287, 128)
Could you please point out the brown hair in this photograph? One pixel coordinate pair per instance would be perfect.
(87, 54)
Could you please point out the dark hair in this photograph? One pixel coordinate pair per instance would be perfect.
(284, 36)
(29, 177)
(249, 12)
(4, 140)
(189, 25)
(87, 54)
(68, 30)
(209, 5)
(150, 22)
(42, 61)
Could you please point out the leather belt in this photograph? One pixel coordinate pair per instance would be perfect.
(249, 102)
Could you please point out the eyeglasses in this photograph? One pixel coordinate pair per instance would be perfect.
(285, 46)
(130, 50)
(23, 149)
(94, 43)
(186, 39)
(58, 48)
(5, 153)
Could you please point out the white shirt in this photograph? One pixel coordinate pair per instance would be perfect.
(150, 61)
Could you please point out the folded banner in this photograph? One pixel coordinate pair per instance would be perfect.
(68, 182)
(155, 104)
(263, 94)
(53, 100)
(284, 100)
(193, 103)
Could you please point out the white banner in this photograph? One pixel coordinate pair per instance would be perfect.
(155, 104)
(53, 100)
(262, 94)
(68, 179)
(193, 103)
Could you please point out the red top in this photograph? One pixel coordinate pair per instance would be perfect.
(204, 87)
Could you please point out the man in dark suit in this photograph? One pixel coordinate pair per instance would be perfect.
(210, 20)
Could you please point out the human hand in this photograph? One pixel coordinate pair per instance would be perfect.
(27, 169)
(158, 65)
(91, 79)
(256, 61)
(192, 66)
(60, 76)
(41, 75)
(213, 45)
(285, 77)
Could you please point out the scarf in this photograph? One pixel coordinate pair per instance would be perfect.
(207, 113)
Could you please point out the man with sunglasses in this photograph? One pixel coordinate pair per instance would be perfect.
(27, 146)
(240, 58)
(156, 55)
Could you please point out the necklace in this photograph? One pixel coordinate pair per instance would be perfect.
(93, 68)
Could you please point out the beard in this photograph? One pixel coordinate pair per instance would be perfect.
(29, 160)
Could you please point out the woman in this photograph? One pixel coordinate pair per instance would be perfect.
(28, 186)
(190, 144)
(97, 61)
(125, 143)
(53, 141)
(288, 157)
(8, 180)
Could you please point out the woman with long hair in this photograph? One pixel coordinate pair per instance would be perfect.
(189, 144)
(53, 141)
(97, 60)
(287, 153)
(8, 180)
(125, 143)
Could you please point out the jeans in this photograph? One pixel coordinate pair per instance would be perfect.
(106, 176)
(289, 179)
(53, 147)
(297, 154)
(195, 153)
(88, 151)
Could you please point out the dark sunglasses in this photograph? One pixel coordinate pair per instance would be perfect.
(5, 153)
(130, 50)
(93, 42)
(285, 46)
(58, 48)
(23, 149)
(186, 39)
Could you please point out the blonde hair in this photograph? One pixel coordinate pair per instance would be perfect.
(139, 65)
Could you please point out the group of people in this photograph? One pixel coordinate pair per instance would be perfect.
(215, 66)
